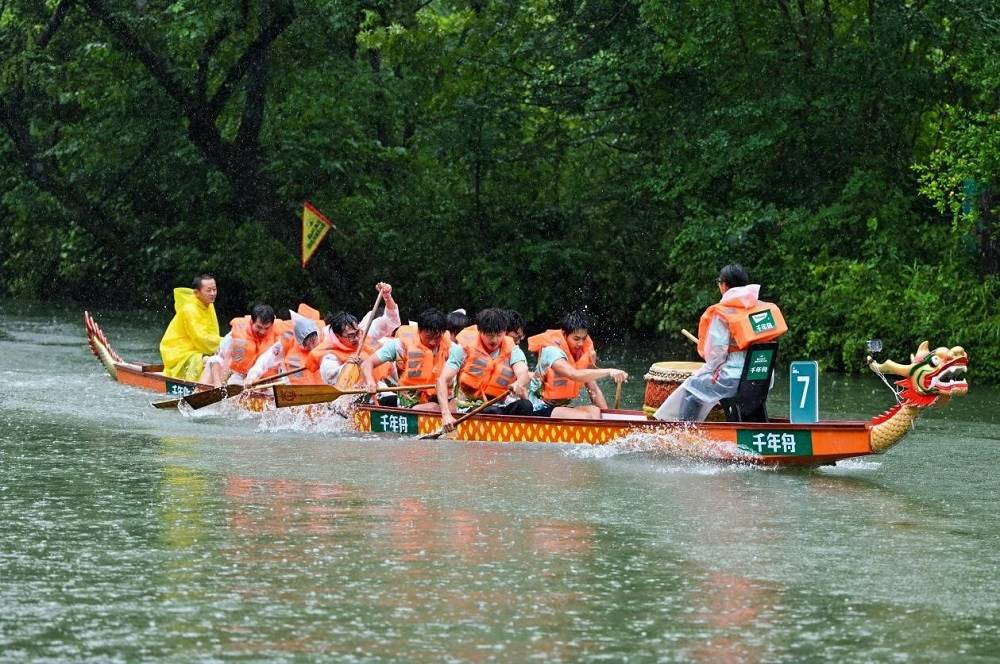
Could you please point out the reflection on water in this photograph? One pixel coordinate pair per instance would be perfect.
(136, 534)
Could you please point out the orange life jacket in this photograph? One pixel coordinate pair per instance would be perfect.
(246, 346)
(759, 323)
(483, 376)
(335, 345)
(420, 364)
(296, 356)
(556, 388)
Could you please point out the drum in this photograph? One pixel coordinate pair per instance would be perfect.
(663, 378)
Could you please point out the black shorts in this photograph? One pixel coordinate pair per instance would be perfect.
(520, 407)
(545, 411)
(389, 400)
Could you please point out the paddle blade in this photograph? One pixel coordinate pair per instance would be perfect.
(208, 397)
(166, 403)
(431, 436)
(303, 395)
(349, 377)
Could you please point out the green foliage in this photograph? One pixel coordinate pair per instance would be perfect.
(541, 155)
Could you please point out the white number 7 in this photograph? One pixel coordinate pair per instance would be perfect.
(805, 389)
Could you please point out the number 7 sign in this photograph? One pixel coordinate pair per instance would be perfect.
(804, 392)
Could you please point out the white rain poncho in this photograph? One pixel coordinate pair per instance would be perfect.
(720, 376)
(302, 327)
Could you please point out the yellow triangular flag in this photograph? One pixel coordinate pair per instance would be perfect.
(314, 228)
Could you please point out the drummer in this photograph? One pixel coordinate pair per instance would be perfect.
(723, 337)
(567, 360)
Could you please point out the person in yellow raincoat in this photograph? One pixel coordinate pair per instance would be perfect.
(194, 331)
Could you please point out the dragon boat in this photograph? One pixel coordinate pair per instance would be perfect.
(931, 378)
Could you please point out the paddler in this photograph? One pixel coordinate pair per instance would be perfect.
(487, 363)
(567, 360)
(725, 331)
(193, 332)
(248, 337)
(420, 352)
(515, 325)
(458, 320)
(291, 351)
(343, 333)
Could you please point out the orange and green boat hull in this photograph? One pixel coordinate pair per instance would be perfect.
(775, 442)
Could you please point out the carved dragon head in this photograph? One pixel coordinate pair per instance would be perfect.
(931, 374)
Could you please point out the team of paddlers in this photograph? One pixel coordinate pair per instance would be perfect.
(452, 362)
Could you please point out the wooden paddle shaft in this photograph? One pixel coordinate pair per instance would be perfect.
(286, 396)
(475, 411)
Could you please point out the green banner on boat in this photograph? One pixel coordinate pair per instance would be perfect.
(393, 423)
(775, 442)
(178, 390)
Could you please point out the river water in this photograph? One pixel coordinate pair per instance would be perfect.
(134, 534)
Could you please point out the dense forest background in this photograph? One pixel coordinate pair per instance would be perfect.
(541, 155)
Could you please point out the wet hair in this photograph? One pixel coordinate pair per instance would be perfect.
(340, 321)
(515, 321)
(262, 313)
(491, 321)
(573, 321)
(733, 276)
(200, 278)
(432, 320)
(457, 321)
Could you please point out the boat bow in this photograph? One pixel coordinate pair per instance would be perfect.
(931, 378)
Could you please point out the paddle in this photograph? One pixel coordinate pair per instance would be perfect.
(286, 396)
(350, 374)
(217, 394)
(478, 409)
(618, 396)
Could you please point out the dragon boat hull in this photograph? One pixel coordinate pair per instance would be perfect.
(137, 374)
(777, 442)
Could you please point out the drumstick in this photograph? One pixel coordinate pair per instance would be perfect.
(693, 339)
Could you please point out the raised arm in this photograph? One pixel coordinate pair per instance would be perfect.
(564, 369)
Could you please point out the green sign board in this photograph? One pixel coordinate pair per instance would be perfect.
(178, 390)
(393, 422)
(762, 321)
(759, 363)
(775, 442)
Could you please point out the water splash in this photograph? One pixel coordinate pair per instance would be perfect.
(688, 443)
(850, 466)
(318, 418)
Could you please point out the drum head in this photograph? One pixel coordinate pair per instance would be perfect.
(672, 371)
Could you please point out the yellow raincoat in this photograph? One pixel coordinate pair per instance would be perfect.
(192, 334)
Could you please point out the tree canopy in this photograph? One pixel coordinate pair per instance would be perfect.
(541, 155)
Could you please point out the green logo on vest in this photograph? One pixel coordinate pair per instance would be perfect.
(762, 321)
(775, 443)
(393, 423)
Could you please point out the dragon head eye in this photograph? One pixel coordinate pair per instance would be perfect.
(934, 360)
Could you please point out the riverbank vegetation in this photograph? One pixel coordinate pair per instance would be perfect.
(540, 155)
